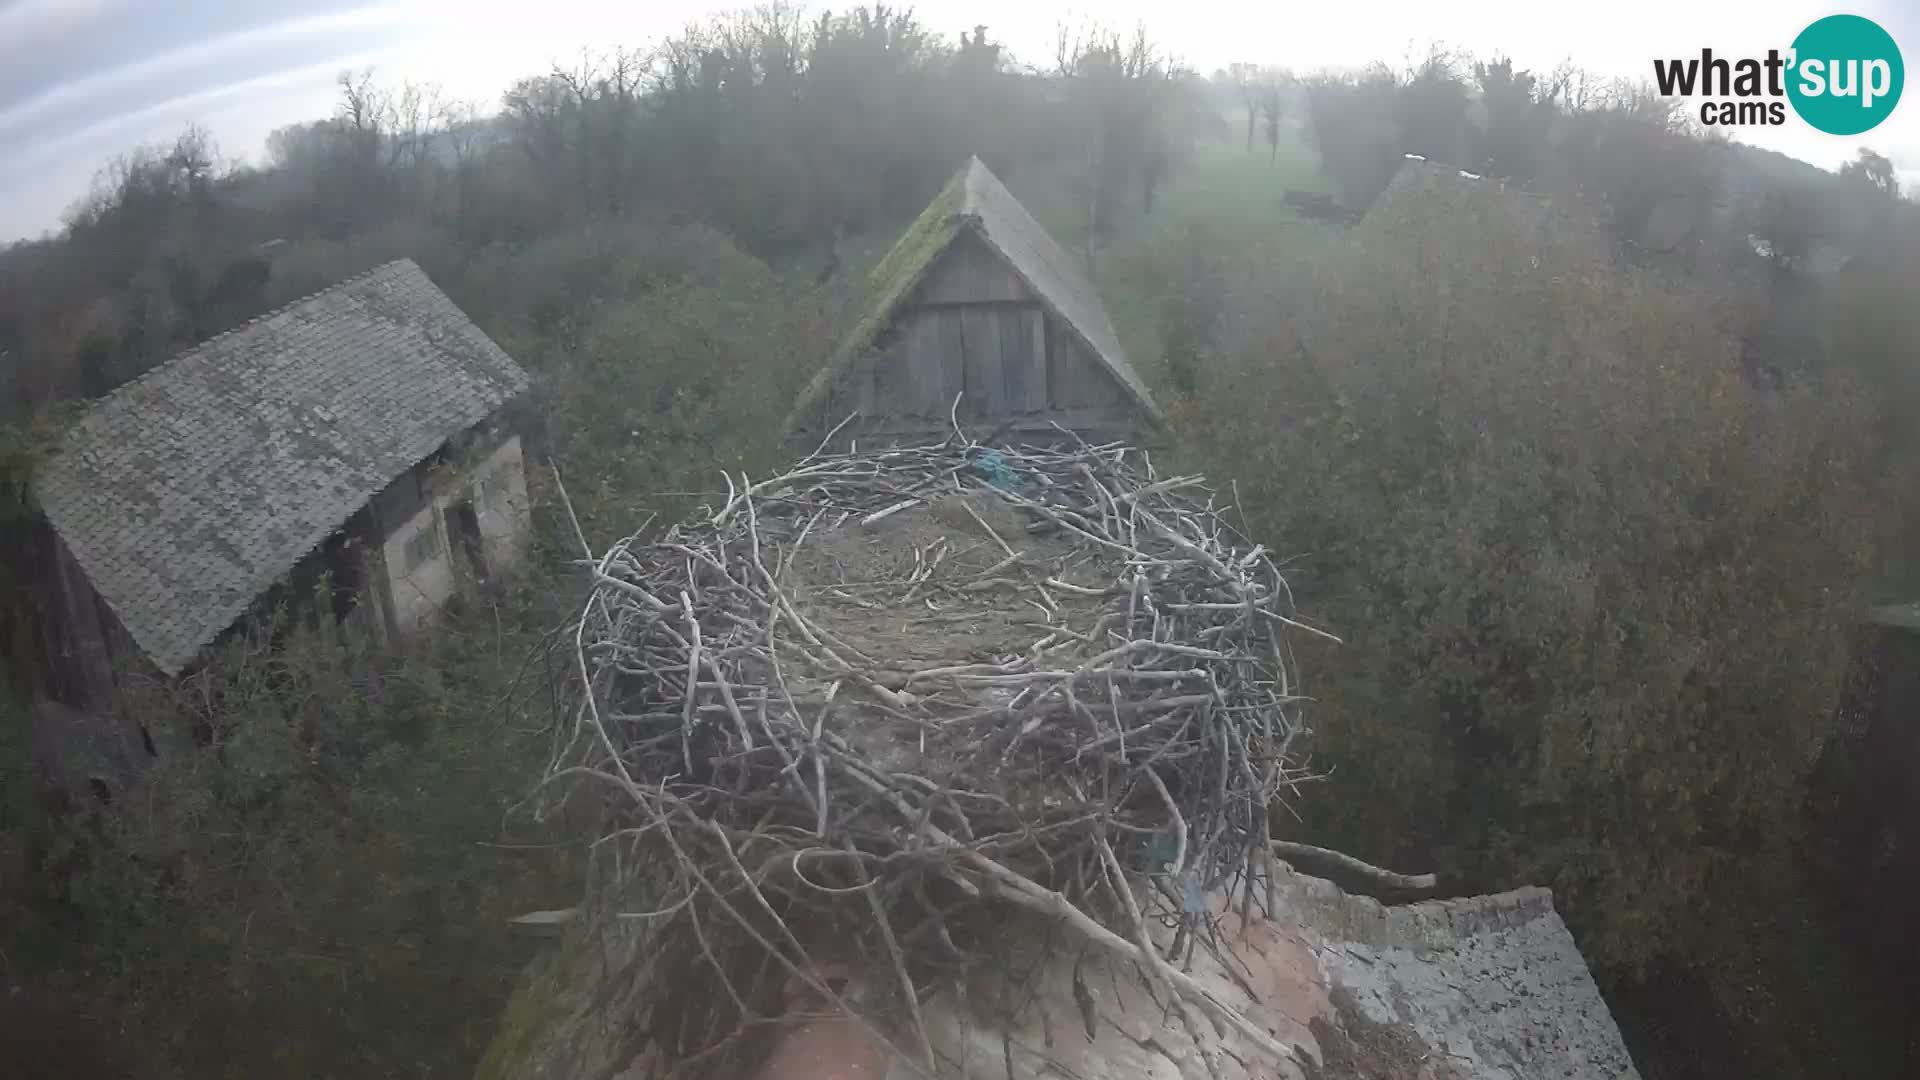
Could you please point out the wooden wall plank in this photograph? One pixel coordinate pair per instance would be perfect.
(891, 385)
(983, 363)
(949, 376)
(1078, 379)
(970, 273)
(1023, 375)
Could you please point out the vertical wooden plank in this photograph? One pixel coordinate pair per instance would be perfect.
(866, 389)
(892, 370)
(1055, 362)
(951, 377)
(926, 369)
(969, 272)
(920, 368)
(1040, 393)
(983, 367)
(1023, 387)
(906, 373)
(1081, 380)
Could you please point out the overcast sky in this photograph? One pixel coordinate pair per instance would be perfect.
(83, 80)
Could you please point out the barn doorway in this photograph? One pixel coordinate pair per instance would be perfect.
(464, 540)
(346, 569)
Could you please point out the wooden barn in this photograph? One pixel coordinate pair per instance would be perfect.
(355, 437)
(977, 305)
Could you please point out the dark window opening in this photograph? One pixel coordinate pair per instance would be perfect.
(463, 538)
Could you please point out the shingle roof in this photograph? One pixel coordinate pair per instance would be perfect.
(190, 491)
(1494, 984)
(976, 200)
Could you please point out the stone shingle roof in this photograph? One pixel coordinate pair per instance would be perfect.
(1493, 985)
(975, 200)
(187, 493)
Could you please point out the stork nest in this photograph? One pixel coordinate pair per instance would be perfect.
(852, 717)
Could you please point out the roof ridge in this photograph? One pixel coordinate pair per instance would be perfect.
(335, 287)
(1433, 923)
(155, 370)
(283, 309)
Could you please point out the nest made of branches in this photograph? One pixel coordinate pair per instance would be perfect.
(848, 718)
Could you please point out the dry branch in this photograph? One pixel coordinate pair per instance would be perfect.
(1140, 733)
(1365, 871)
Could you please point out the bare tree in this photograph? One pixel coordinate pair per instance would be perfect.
(460, 120)
(1246, 79)
(414, 114)
(1270, 86)
(362, 112)
(1124, 97)
(1873, 170)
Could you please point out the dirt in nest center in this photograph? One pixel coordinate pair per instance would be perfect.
(854, 582)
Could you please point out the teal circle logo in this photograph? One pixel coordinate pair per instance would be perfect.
(1846, 75)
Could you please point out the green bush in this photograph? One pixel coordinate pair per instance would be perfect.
(310, 859)
(1357, 132)
(663, 363)
(1594, 583)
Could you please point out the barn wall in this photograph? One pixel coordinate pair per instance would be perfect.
(1018, 365)
(972, 327)
(88, 644)
(419, 568)
(423, 576)
(1077, 380)
(499, 487)
(970, 272)
(995, 354)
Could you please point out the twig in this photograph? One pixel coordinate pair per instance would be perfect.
(1388, 879)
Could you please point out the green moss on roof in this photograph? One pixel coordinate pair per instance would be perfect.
(975, 199)
(904, 266)
(896, 275)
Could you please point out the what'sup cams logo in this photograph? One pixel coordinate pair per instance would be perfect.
(1843, 75)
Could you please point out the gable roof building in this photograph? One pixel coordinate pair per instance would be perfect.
(976, 302)
(188, 493)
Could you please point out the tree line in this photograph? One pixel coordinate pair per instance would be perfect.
(787, 133)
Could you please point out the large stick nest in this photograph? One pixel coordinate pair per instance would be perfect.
(849, 716)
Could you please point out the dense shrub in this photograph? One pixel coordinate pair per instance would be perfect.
(663, 355)
(1593, 581)
(1357, 131)
(307, 859)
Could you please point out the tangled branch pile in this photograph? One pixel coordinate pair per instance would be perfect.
(852, 714)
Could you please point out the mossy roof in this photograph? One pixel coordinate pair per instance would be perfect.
(976, 200)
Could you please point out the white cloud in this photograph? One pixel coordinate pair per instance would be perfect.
(212, 55)
(28, 23)
(475, 48)
(309, 88)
